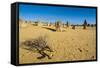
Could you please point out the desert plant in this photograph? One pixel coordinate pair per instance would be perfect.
(88, 25)
(92, 25)
(36, 23)
(40, 45)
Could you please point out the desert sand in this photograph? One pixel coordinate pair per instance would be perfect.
(68, 45)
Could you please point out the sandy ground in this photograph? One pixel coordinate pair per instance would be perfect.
(69, 45)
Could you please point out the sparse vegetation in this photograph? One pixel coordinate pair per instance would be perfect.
(69, 44)
(88, 25)
(36, 23)
(40, 44)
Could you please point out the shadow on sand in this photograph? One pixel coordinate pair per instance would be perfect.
(49, 29)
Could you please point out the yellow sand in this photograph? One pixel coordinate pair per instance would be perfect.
(69, 45)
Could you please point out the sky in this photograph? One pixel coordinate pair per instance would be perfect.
(52, 14)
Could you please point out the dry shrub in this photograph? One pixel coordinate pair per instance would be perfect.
(39, 44)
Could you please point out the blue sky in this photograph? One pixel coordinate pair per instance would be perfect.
(53, 13)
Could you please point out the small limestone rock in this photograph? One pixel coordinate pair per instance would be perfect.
(79, 49)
